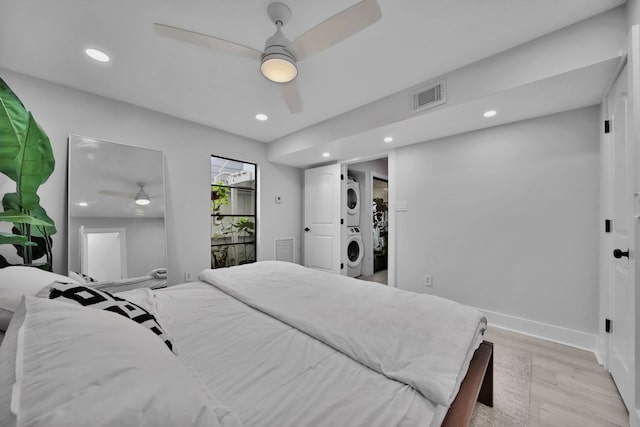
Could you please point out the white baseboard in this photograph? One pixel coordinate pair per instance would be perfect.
(601, 351)
(545, 331)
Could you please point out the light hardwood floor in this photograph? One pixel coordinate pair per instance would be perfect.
(378, 277)
(568, 387)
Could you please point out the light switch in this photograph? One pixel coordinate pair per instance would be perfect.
(402, 206)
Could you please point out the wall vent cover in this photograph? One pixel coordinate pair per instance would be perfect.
(428, 97)
(284, 249)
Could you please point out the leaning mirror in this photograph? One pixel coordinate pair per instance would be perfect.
(116, 215)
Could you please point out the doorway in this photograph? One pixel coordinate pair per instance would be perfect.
(380, 223)
(369, 226)
(104, 253)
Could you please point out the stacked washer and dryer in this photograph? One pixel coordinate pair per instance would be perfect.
(354, 247)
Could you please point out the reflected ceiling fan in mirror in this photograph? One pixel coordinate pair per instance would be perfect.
(278, 61)
(141, 198)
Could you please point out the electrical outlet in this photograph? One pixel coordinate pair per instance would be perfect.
(428, 280)
(187, 276)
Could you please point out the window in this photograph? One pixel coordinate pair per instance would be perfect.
(233, 212)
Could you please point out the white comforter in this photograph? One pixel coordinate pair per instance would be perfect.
(272, 375)
(420, 340)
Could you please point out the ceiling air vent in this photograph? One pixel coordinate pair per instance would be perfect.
(428, 97)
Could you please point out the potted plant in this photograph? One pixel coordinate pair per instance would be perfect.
(245, 228)
(26, 157)
(223, 254)
(219, 197)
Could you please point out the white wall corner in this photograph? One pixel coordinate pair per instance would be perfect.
(601, 352)
(558, 334)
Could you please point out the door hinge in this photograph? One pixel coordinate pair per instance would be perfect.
(341, 221)
(607, 325)
(341, 266)
(607, 226)
(607, 126)
(341, 177)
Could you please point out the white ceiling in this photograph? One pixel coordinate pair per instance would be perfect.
(415, 41)
(105, 177)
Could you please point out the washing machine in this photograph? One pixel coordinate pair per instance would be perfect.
(353, 202)
(354, 251)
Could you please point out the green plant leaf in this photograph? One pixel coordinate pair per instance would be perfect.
(26, 155)
(14, 123)
(10, 202)
(41, 245)
(46, 230)
(14, 239)
(20, 218)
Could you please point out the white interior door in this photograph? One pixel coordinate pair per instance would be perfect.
(621, 296)
(104, 255)
(322, 237)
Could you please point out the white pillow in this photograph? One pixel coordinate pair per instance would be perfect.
(17, 281)
(77, 366)
(143, 297)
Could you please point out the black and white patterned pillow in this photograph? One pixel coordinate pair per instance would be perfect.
(103, 300)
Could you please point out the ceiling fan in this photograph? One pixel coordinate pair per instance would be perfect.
(141, 198)
(278, 61)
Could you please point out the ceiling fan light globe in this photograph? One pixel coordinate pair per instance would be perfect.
(278, 65)
(141, 201)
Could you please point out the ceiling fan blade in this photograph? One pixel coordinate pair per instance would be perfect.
(120, 194)
(335, 29)
(291, 95)
(210, 42)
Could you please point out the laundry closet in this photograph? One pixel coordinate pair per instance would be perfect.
(365, 192)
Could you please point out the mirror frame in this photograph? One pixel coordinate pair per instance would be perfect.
(75, 259)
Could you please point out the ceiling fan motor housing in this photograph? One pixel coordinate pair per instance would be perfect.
(278, 64)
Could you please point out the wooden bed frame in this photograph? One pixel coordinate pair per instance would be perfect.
(476, 386)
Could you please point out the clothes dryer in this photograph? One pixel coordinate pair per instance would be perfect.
(353, 202)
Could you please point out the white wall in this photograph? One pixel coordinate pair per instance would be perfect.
(633, 12)
(506, 219)
(187, 147)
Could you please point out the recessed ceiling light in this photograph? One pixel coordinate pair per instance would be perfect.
(261, 117)
(326, 154)
(388, 139)
(83, 204)
(97, 55)
(490, 113)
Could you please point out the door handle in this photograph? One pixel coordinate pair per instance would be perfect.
(307, 229)
(617, 253)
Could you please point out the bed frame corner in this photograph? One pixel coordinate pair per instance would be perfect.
(476, 386)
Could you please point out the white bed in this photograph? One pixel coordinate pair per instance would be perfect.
(282, 345)
(155, 279)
